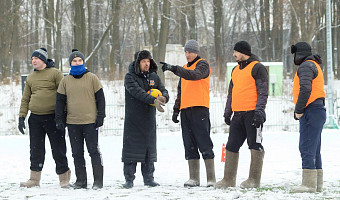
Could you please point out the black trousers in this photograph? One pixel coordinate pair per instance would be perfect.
(78, 133)
(39, 126)
(195, 123)
(147, 168)
(240, 130)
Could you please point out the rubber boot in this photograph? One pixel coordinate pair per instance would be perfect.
(210, 168)
(98, 174)
(309, 179)
(255, 170)
(319, 180)
(64, 179)
(34, 180)
(230, 170)
(81, 181)
(194, 171)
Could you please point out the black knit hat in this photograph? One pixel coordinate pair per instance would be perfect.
(41, 54)
(301, 50)
(75, 53)
(243, 47)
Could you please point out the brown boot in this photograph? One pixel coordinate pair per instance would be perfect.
(255, 170)
(210, 168)
(194, 171)
(33, 181)
(319, 180)
(64, 179)
(309, 179)
(230, 171)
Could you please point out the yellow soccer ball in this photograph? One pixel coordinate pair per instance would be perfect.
(155, 93)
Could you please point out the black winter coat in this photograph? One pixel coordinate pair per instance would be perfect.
(139, 139)
(307, 71)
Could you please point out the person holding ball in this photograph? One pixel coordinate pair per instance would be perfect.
(139, 137)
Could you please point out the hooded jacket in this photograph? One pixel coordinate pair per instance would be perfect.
(139, 137)
(307, 71)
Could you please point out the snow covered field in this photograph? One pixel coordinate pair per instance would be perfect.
(281, 170)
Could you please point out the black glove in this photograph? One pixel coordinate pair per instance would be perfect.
(174, 117)
(21, 125)
(60, 125)
(258, 120)
(227, 120)
(167, 66)
(99, 122)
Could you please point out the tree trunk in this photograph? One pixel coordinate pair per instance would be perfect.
(79, 27)
(58, 21)
(115, 64)
(192, 20)
(220, 68)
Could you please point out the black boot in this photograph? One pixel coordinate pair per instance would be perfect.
(147, 171)
(98, 173)
(129, 174)
(81, 181)
(128, 184)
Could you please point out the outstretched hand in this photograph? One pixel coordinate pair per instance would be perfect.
(167, 66)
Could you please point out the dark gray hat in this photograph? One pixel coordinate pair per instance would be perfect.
(41, 54)
(192, 46)
(75, 53)
(301, 51)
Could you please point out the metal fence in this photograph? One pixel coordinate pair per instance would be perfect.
(279, 118)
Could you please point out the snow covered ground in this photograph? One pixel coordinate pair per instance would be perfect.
(281, 170)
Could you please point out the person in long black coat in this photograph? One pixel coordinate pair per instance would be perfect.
(139, 139)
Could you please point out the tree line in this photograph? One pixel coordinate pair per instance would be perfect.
(109, 32)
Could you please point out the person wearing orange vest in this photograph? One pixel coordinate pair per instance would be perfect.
(309, 100)
(246, 100)
(193, 104)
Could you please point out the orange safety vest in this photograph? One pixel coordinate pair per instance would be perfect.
(244, 93)
(195, 92)
(318, 90)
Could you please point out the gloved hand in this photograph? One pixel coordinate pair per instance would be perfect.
(158, 104)
(297, 116)
(174, 117)
(257, 120)
(60, 125)
(227, 120)
(162, 99)
(99, 122)
(21, 125)
(167, 66)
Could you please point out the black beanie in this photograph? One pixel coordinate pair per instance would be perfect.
(243, 47)
(75, 53)
(41, 54)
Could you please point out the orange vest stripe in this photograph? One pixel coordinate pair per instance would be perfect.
(318, 90)
(195, 92)
(244, 93)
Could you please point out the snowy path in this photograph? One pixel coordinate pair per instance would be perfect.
(282, 169)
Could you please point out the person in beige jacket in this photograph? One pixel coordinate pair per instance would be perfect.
(39, 97)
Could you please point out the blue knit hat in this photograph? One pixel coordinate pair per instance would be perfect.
(41, 54)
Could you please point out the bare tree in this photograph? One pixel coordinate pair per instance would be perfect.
(79, 26)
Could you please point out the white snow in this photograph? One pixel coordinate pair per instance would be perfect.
(282, 169)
